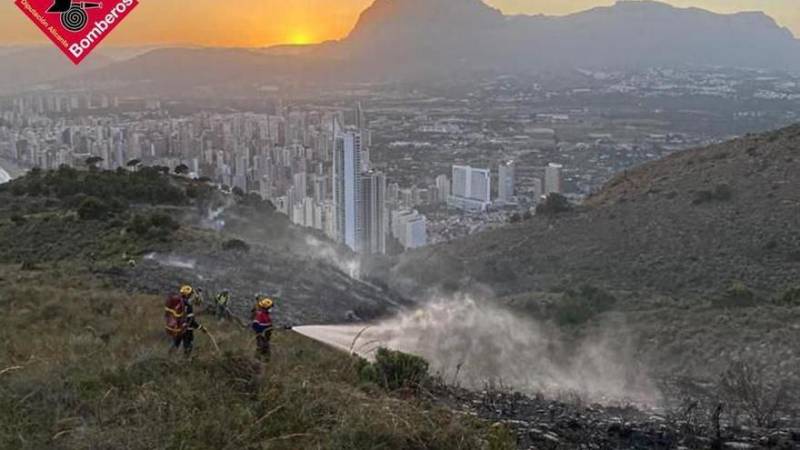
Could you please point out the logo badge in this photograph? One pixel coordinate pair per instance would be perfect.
(77, 27)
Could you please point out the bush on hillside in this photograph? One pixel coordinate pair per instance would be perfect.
(747, 388)
(199, 191)
(255, 201)
(156, 225)
(790, 297)
(721, 193)
(553, 204)
(738, 295)
(92, 208)
(235, 245)
(394, 370)
(578, 306)
(144, 186)
(182, 169)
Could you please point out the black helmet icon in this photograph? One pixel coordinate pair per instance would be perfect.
(73, 14)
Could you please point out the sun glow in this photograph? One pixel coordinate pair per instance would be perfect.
(300, 37)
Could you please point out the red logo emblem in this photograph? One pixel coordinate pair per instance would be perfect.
(77, 27)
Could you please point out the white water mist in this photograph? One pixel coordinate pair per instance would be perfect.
(473, 344)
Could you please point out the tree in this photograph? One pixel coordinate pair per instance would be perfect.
(748, 388)
(182, 169)
(92, 161)
(92, 208)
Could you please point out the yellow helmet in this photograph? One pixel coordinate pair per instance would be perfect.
(186, 290)
(265, 303)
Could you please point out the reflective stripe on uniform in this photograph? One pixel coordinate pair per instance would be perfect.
(173, 312)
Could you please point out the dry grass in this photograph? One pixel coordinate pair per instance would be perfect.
(84, 367)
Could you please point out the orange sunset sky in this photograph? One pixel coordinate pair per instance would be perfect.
(254, 23)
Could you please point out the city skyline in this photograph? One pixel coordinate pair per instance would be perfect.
(270, 22)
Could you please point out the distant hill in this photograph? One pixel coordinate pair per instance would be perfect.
(401, 39)
(31, 66)
(687, 226)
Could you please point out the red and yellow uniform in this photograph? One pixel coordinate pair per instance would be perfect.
(262, 326)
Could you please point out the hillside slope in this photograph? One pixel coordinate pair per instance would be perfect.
(84, 366)
(152, 232)
(685, 226)
(689, 263)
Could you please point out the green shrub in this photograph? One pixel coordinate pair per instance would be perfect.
(92, 208)
(235, 245)
(553, 204)
(394, 370)
(164, 221)
(721, 193)
(572, 312)
(156, 225)
(578, 306)
(790, 297)
(738, 295)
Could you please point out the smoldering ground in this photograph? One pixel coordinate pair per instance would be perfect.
(474, 343)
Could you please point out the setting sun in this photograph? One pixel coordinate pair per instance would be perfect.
(300, 37)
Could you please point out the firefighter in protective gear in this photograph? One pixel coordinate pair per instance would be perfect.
(222, 300)
(262, 326)
(195, 296)
(181, 321)
(186, 291)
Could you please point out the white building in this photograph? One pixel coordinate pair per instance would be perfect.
(300, 181)
(410, 228)
(506, 187)
(347, 188)
(552, 179)
(443, 186)
(471, 188)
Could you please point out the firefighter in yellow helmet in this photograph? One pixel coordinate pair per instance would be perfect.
(180, 320)
(262, 326)
(192, 295)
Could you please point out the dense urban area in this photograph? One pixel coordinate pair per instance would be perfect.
(382, 168)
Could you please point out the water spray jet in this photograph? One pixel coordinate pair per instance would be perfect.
(476, 343)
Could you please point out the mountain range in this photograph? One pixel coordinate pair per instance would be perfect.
(419, 36)
(421, 39)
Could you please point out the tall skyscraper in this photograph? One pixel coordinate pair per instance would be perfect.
(320, 186)
(506, 186)
(443, 186)
(300, 180)
(552, 179)
(360, 117)
(536, 187)
(373, 213)
(347, 188)
(471, 188)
